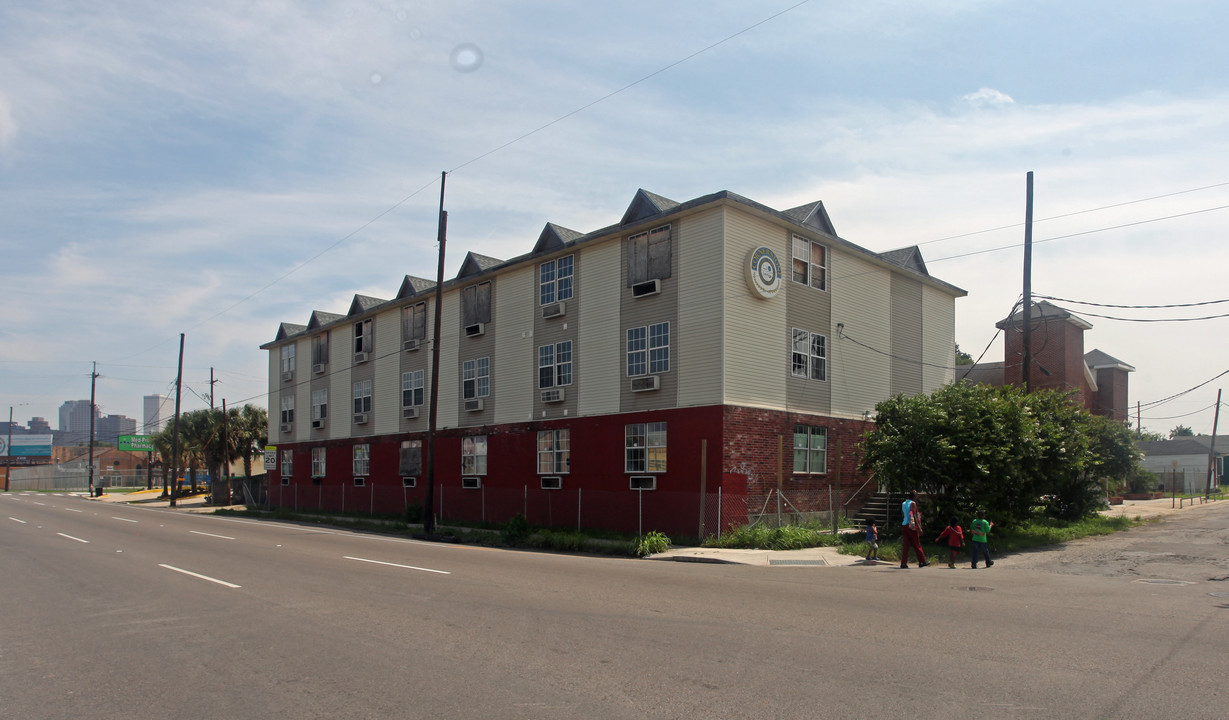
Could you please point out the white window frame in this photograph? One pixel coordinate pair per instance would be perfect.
(804, 270)
(644, 448)
(808, 355)
(288, 358)
(287, 465)
(555, 364)
(648, 349)
(362, 396)
(810, 450)
(474, 455)
(287, 409)
(476, 378)
(361, 460)
(319, 462)
(320, 403)
(555, 452)
(413, 383)
(555, 280)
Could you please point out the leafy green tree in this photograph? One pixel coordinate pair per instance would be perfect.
(1181, 431)
(962, 357)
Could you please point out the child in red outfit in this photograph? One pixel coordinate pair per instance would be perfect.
(955, 540)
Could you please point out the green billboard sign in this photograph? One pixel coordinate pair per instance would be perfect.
(136, 443)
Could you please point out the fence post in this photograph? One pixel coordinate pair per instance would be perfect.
(718, 513)
(579, 492)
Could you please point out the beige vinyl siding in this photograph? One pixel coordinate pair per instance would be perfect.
(906, 346)
(450, 380)
(275, 396)
(599, 354)
(861, 300)
(754, 375)
(341, 394)
(386, 386)
(302, 389)
(514, 363)
(696, 355)
(938, 338)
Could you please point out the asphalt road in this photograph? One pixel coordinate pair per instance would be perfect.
(113, 611)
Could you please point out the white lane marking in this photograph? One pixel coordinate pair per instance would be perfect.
(113, 517)
(198, 575)
(23, 522)
(39, 503)
(70, 537)
(73, 510)
(224, 537)
(407, 567)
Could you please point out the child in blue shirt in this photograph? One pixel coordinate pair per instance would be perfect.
(872, 542)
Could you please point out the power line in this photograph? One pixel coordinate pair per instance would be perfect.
(1130, 307)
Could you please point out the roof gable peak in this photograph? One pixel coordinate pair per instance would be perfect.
(645, 205)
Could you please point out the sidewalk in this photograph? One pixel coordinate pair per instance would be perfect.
(829, 557)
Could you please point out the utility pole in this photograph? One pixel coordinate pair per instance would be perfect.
(8, 452)
(1207, 490)
(1028, 286)
(175, 432)
(428, 525)
(225, 469)
(93, 382)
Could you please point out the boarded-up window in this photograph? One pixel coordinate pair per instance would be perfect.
(411, 458)
(476, 304)
(414, 322)
(648, 255)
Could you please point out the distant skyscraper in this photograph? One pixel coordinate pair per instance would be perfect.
(155, 414)
(75, 422)
(110, 427)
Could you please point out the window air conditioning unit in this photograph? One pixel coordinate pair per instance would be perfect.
(646, 383)
(360, 357)
(471, 483)
(644, 289)
(410, 345)
(318, 368)
(475, 330)
(360, 482)
(643, 482)
(287, 375)
(409, 413)
(409, 482)
(554, 310)
(361, 418)
(317, 424)
(552, 483)
(287, 427)
(552, 395)
(473, 405)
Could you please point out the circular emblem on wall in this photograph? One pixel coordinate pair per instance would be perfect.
(763, 272)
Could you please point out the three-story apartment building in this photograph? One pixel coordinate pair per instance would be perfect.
(616, 378)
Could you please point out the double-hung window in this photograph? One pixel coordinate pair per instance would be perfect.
(320, 403)
(555, 364)
(473, 455)
(363, 337)
(414, 322)
(412, 388)
(810, 263)
(555, 280)
(318, 466)
(810, 449)
(288, 358)
(362, 396)
(554, 452)
(648, 349)
(648, 255)
(809, 355)
(644, 448)
(287, 465)
(476, 378)
(362, 460)
(287, 409)
(320, 349)
(410, 464)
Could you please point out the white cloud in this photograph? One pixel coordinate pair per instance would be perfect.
(988, 97)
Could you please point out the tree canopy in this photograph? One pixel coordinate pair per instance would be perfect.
(971, 446)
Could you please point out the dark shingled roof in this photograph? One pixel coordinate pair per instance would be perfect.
(1044, 310)
(411, 286)
(320, 318)
(363, 303)
(475, 264)
(910, 258)
(812, 215)
(1097, 359)
(646, 204)
(286, 330)
(1197, 445)
(554, 237)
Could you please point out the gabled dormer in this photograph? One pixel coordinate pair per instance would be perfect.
(813, 216)
(554, 237)
(909, 258)
(320, 319)
(288, 330)
(475, 264)
(362, 304)
(646, 205)
(412, 286)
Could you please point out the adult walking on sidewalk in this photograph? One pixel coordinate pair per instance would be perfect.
(911, 532)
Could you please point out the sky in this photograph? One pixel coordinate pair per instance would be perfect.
(215, 169)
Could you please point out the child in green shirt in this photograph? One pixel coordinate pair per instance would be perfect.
(979, 531)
